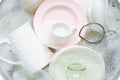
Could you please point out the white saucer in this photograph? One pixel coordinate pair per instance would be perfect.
(95, 66)
(48, 14)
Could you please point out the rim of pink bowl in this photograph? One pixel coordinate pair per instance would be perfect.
(50, 4)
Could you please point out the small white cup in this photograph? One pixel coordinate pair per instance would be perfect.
(61, 32)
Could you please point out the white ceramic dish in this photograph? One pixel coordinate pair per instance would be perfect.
(29, 50)
(61, 32)
(95, 66)
(60, 10)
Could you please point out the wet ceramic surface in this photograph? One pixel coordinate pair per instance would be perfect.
(108, 48)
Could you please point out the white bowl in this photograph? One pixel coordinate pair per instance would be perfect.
(95, 66)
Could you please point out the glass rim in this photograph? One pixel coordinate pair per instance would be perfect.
(79, 67)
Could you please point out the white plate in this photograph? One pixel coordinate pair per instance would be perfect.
(95, 66)
(48, 14)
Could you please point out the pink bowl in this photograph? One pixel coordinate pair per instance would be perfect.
(52, 11)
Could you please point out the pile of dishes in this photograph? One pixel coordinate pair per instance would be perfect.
(56, 24)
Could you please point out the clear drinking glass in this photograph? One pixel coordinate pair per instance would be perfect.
(75, 71)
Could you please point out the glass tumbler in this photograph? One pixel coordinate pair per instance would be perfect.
(75, 71)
